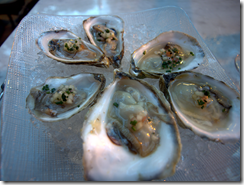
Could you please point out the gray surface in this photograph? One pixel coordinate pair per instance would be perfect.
(33, 150)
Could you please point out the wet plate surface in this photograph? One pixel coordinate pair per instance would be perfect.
(33, 150)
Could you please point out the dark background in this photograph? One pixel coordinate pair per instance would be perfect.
(11, 13)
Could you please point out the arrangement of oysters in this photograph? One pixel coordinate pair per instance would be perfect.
(130, 133)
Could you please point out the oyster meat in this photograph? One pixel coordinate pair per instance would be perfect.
(66, 47)
(62, 97)
(130, 134)
(208, 107)
(169, 52)
(106, 32)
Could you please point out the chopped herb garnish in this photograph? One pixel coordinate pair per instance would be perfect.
(148, 119)
(64, 97)
(79, 38)
(66, 45)
(115, 104)
(133, 122)
(223, 110)
(74, 46)
(202, 107)
(99, 34)
(98, 40)
(45, 88)
(175, 50)
(168, 71)
(67, 92)
(170, 67)
(48, 92)
(76, 41)
(77, 48)
(107, 30)
(200, 102)
(78, 106)
(70, 89)
(179, 68)
(53, 89)
(206, 93)
(192, 53)
(133, 128)
(144, 52)
(113, 38)
(205, 100)
(168, 50)
(165, 66)
(59, 102)
(180, 58)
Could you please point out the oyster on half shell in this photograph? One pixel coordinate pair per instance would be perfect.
(208, 107)
(61, 97)
(169, 52)
(130, 134)
(106, 32)
(66, 47)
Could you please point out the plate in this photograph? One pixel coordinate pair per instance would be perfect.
(38, 151)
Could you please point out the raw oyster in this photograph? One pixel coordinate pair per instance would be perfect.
(61, 97)
(130, 134)
(169, 52)
(66, 47)
(106, 32)
(208, 107)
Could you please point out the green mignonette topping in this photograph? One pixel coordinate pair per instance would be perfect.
(59, 102)
(115, 104)
(64, 97)
(200, 102)
(133, 122)
(53, 89)
(133, 128)
(206, 93)
(45, 87)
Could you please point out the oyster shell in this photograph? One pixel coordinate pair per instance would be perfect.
(66, 47)
(169, 52)
(208, 107)
(130, 134)
(106, 32)
(61, 97)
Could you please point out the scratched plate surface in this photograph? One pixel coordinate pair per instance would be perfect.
(37, 151)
